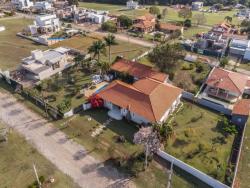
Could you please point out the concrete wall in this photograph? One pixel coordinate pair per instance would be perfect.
(200, 175)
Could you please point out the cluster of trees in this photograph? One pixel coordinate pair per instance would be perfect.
(173, 2)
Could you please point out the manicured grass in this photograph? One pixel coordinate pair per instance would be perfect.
(66, 86)
(243, 176)
(16, 160)
(13, 48)
(245, 66)
(190, 32)
(125, 49)
(198, 142)
(212, 18)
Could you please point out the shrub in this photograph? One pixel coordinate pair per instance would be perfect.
(109, 26)
(187, 23)
(187, 66)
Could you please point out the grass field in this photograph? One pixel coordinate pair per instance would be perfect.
(243, 177)
(212, 18)
(190, 32)
(12, 47)
(125, 49)
(16, 160)
(198, 142)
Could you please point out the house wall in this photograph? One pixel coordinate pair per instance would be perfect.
(239, 120)
(138, 119)
(108, 105)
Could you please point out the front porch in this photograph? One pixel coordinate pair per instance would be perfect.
(115, 113)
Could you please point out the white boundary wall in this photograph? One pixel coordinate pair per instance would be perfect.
(191, 170)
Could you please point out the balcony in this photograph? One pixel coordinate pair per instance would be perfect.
(221, 94)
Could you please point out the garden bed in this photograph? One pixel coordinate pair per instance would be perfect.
(198, 141)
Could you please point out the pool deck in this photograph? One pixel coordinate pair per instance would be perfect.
(90, 92)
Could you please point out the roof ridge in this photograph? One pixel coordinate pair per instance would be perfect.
(230, 73)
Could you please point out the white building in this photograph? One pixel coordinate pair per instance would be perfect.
(97, 17)
(197, 5)
(21, 4)
(45, 24)
(42, 6)
(132, 4)
(238, 46)
(43, 64)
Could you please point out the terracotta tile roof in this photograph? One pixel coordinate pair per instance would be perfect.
(170, 27)
(242, 107)
(147, 98)
(146, 17)
(138, 70)
(144, 24)
(227, 80)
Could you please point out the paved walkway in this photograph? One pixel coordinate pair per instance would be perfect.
(70, 157)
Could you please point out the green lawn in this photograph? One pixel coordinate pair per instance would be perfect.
(12, 47)
(125, 49)
(190, 32)
(198, 142)
(245, 66)
(66, 86)
(16, 160)
(243, 176)
(212, 18)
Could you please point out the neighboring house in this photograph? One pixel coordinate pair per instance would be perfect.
(238, 47)
(66, 12)
(44, 24)
(245, 13)
(144, 24)
(145, 101)
(22, 4)
(170, 28)
(132, 4)
(84, 15)
(43, 64)
(138, 70)
(42, 6)
(227, 86)
(240, 112)
(197, 5)
(60, 4)
(222, 28)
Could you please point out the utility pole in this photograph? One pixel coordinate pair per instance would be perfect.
(39, 183)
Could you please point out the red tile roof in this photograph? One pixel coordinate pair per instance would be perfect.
(227, 80)
(147, 98)
(146, 17)
(242, 107)
(170, 27)
(138, 70)
(144, 24)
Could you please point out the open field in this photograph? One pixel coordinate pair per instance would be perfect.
(172, 15)
(125, 49)
(12, 47)
(243, 177)
(16, 160)
(190, 32)
(198, 142)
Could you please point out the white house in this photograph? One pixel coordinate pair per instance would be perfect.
(42, 6)
(97, 17)
(132, 4)
(21, 4)
(145, 101)
(43, 64)
(43, 24)
(197, 5)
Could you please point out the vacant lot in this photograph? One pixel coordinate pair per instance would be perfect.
(125, 49)
(198, 142)
(12, 47)
(16, 160)
(243, 177)
(192, 31)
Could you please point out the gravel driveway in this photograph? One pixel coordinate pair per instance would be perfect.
(70, 157)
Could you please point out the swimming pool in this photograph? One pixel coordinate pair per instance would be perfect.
(101, 88)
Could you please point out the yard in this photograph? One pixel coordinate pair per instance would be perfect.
(192, 31)
(243, 176)
(197, 140)
(16, 160)
(66, 87)
(12, 47)
(106, 146)
(125, 49)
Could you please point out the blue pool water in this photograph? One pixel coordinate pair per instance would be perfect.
(101, 88)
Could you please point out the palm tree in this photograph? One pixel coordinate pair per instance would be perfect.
(110, 40)
(104, 67)
(97, 48)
